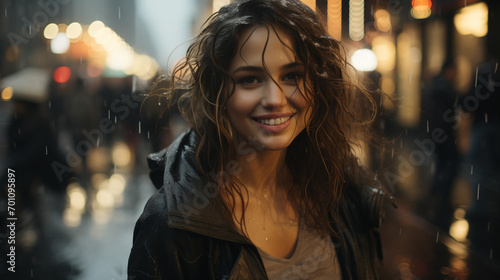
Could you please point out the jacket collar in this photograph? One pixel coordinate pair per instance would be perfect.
(192, 203)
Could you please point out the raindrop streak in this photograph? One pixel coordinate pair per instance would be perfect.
(478, 188)
(392, 153)
(148, 134)
(475, 84)
(5, 12)
(437, 237)
(471, 169)
(97, 144)
(485, 117)
(109, 113)
(115, 119)
(489, 226)
(427, 126)
(496, 68)
(400, 230)
(139, 127)
(50, 104)
(119, 13)
(19, 131)
(46, 151)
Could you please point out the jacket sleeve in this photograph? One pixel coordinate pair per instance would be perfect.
(153, 254)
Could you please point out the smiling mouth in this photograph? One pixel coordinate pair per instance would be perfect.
(274, 121)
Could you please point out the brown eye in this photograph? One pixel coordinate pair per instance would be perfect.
(248, 80)
(294, 76)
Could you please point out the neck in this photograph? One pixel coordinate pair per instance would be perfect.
(263, 170)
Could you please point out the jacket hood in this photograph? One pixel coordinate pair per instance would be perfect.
(192, 203)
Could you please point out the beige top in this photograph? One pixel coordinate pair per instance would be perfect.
(314, 258)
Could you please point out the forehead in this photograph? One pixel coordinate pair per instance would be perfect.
(263, 42)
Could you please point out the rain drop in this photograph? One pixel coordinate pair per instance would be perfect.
(471, 169)
(97, 144)
(139, 127)
(489, 223)
(478, 188)
(496, 68)
(400, 230)
(115, 119)
(437, 237)
(159, 103)
(109, 115)
(475, 84)
(491, 253)
(427, 126)
(485, 117)
(46, 150)
(19, 131)
(392, 152)
(50, 104)
(5, 12)
(119, 13)
(148, 134)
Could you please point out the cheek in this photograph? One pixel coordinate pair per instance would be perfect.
(240, 103)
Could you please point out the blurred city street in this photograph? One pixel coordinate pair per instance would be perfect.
(76, 126)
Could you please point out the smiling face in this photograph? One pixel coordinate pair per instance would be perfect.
(268, 103)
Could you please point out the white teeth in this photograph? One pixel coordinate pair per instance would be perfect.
(276, 121)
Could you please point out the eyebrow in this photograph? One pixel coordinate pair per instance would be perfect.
(261, 69)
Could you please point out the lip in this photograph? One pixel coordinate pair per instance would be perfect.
(274, 128)
(273, 116)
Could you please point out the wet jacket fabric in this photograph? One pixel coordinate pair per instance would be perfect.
(183, 234)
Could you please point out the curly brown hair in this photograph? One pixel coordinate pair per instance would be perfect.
(320, 157)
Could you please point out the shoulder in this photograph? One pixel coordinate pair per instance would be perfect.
(159, 249)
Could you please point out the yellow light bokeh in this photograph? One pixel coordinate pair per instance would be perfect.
(50, 31)
(74, 30)
(121, 154)
(472, 20)
(383, 20)
(95, 27)
(420, 13)
(7, 93)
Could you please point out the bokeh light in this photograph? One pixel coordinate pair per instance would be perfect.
(60, 44)
(50, 31)
(364, 60)
(7, 93)
(74, 30)
(62, 74)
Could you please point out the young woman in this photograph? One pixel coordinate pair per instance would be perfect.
(265, 184)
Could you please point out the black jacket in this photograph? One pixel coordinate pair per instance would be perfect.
(183, 234)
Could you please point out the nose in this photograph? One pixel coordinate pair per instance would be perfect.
(273, 96)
